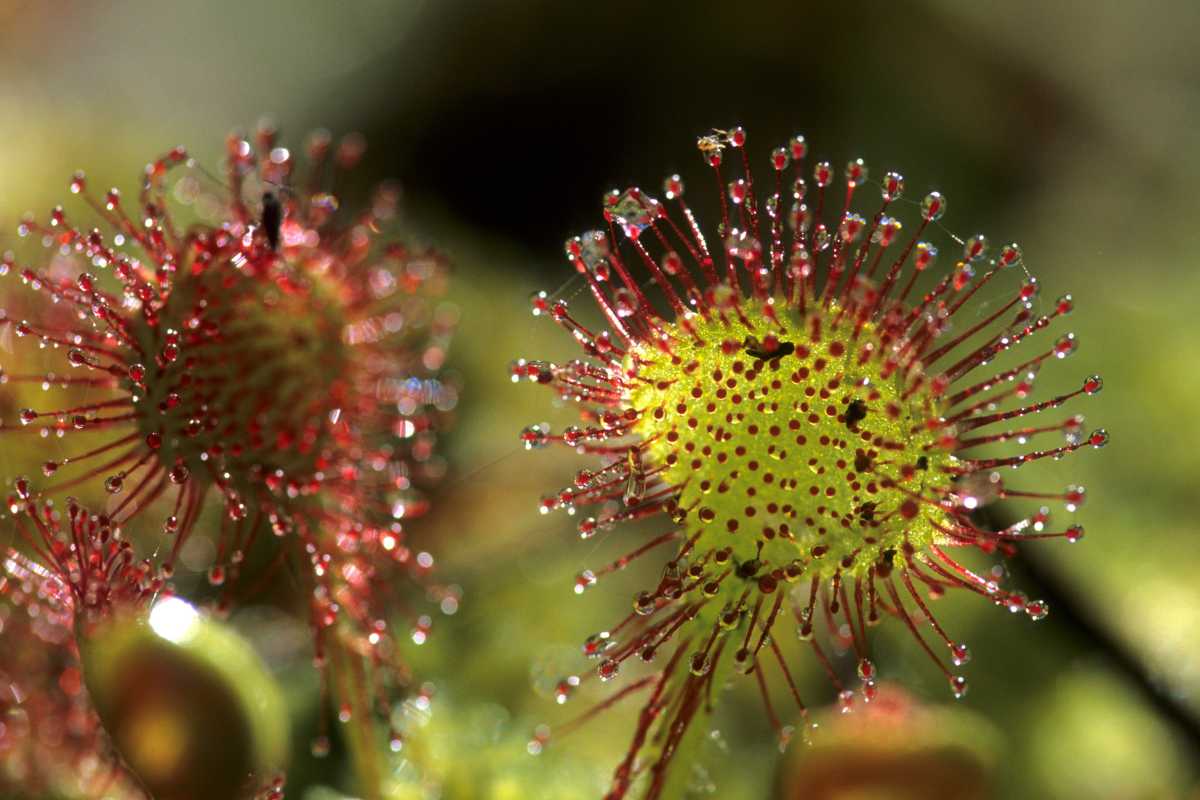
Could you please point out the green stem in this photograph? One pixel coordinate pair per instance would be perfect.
(351, 690)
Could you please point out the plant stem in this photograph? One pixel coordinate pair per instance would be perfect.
(1069, 611)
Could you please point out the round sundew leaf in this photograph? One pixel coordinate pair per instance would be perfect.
(188, 703)
(804, 415)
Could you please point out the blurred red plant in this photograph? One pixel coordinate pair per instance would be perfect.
(895, 748)
(279, 355)
(51, 739)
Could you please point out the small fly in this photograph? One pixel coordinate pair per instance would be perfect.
(760, 352)
(272, 218)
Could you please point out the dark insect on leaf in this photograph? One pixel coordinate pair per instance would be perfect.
(748, 569)
(272, 218)
(856, 412)
(760, 352)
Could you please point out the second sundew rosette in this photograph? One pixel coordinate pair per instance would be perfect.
(248, 343)
(816, 418)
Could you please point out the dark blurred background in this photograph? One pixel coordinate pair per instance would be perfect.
(1068, 126)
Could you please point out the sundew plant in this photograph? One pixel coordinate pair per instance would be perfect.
(815, 414)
